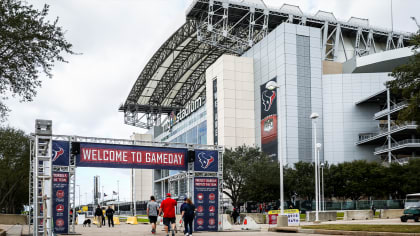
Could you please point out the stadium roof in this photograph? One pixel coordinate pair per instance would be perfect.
(176, 72)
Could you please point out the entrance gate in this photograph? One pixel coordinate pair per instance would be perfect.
(54, 159)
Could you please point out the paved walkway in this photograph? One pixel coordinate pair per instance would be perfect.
(12, 230)
(142, 229)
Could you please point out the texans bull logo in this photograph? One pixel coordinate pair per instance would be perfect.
(57, 154)
(205, 161)
(267, 98)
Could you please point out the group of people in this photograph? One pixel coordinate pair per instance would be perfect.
(167, 207)
(99, 215)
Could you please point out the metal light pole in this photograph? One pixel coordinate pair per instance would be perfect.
(79, 195)
(315, 116)
(322, 184)
(118, 195)
(271, 85)
(318, 147)
(103, 195)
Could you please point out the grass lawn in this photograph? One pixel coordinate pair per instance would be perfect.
(370, 228)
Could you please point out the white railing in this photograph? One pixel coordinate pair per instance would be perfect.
(365, 136)
(400, 143)
(395, 107)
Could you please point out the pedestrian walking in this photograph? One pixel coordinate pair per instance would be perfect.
(235, 215)
(98, 216)
(188, 214)
(103, 217)
(373, 210)
(110, 215)
(152, 212)
(167, 206)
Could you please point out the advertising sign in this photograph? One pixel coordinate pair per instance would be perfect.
(269, 121)
(60, 153)
(122, 156)
(293, 217)
(206, 161)
(207, 204)
(60, 202)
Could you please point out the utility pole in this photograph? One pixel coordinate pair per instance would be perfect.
(118, 196)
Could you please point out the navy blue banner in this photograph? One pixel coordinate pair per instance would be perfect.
(206, 197)
(60, 153)
(206, 161)
(269, 130)
(124, 156)
(60, 202)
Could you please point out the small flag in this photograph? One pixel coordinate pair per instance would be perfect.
(114, 193)
(105, 195)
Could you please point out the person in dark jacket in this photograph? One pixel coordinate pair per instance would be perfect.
(110, 215)
(98, 216)
(235, 215)
(188, 214)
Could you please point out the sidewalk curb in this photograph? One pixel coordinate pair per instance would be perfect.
(362, 233)
(284, 229)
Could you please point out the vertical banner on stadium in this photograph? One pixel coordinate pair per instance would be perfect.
(269, 121)
(206, 200)
(60, 202)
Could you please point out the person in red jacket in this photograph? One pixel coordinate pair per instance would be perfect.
(168, 207)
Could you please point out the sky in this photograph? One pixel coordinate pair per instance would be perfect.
(114, 39)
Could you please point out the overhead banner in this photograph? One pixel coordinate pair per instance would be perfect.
(206, 201)
(60, 153)
(60, 202)
(206, 161)
(269, 121)
(122, 156)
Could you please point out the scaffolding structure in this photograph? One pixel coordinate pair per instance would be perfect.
(40, 220)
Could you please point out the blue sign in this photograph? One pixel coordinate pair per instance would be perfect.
(206, 161)
(60, 187)
(60, 153)
(125, 156)
(206, 199)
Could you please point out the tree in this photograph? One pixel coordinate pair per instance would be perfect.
(249, 175)
(263, 180)
(29, 44)
(14, 170)
(407, 84)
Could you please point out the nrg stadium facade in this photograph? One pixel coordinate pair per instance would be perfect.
(206, 85)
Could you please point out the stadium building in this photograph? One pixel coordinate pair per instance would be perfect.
(207, 85)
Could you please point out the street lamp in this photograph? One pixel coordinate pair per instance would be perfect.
(272, 85)
(322, 186)
(314, 116)
(318, 147)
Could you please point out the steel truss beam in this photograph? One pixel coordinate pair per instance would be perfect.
(176, 72)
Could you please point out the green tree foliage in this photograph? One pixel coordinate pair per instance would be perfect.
(29, 44)
(249, 175)
(407, 84)
(14, 170)
(355, 180)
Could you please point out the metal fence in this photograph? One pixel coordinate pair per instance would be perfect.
(349, 205)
